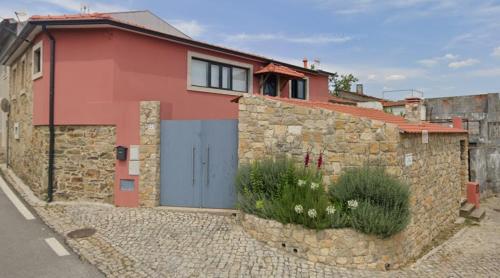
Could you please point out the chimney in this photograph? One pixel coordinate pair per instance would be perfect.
(359, 89)
(457, 122)
(413, 109)
(305, 63)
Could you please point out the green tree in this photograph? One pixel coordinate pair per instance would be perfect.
(340, 83)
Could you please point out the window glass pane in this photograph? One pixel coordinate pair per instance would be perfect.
(270, 86)
(299, 89)
(226, 74)
(199, 73)
(240, 79)
(37, 56)
(214, 76)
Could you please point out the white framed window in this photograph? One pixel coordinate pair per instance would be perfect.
(299, 89)
(212, 74)
(37, 60)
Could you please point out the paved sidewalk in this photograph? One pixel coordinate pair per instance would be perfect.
(160, 242)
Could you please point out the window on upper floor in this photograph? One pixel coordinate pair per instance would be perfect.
(298, 89)
(216, 75)
(37, 55)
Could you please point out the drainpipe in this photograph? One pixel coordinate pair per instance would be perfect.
(50, 186)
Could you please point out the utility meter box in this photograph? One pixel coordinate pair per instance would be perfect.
(473, 193)
(121, 153)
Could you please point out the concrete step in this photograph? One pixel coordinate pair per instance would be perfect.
(466, 209)
(463, 201)
(477, 214)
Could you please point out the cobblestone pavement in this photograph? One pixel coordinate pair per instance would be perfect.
(163, 243)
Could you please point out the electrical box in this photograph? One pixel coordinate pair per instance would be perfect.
(473, 194)
(121, 153)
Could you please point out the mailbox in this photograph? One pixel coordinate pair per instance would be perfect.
(121, 153)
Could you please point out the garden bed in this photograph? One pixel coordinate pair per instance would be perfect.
(340, 247)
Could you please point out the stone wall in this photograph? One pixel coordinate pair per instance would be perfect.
(437, 177)
(84, 156)
(340, 247)
(438, 171)
(149, 179)
(270, 128)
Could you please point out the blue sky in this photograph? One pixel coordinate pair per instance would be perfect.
(441, 47)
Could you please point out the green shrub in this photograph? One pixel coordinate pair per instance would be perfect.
(383, 201)
(382, 221)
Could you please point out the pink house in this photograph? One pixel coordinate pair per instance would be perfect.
(101, 67)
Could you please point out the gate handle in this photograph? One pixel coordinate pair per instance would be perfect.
(208, 165)
(193, 162)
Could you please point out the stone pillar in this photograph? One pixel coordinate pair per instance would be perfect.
(149, 178)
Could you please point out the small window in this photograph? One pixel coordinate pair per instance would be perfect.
(299, 88)
(37, 60)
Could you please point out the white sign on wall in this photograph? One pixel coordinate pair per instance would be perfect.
(425, 137)
(133, 167)
(408, 159)
(134, 152)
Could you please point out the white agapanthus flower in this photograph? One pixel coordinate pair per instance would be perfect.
(330, 210)
(314, 185)
(301, 183)
(299, 209)
(353, 204)
(312, 213)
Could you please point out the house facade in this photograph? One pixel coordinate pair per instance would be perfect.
(93, 95)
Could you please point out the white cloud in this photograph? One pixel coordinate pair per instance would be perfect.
(436, 60)
(313, 39)
(463, 63)
(395, 77)
(371, 76)
(496, 52)
(190, 27)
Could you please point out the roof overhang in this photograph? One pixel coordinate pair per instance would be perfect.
(34, 27)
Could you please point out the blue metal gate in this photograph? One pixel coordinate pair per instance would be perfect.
(199, 160)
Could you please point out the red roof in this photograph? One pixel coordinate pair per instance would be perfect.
(71, 16)
(279, 69)
(390, 103)
(379, 115)
(334, 99)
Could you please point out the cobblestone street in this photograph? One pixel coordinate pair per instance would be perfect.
(163, 243)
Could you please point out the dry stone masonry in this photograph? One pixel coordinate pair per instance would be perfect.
(149, 178)
(435, 169)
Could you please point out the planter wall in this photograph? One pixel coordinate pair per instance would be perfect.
(339, 247)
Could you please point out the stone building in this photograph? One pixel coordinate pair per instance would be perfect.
(431, 158)
(480, 115)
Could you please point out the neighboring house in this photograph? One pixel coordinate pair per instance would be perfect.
(125, 80)
(8, 27)
(481, 117)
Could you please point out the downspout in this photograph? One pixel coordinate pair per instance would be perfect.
(50, 186)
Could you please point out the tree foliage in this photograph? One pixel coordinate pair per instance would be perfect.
(340, 83)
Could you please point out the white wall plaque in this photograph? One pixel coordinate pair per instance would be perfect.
(408, 159)
(134, 152)
(425, 137)
(133, 168)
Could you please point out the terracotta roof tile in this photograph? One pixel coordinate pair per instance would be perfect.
(390, 103)
(279, 69)
(334, 99)
(70, 17)
(379, 115)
